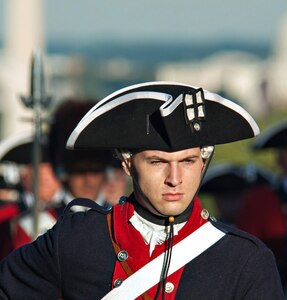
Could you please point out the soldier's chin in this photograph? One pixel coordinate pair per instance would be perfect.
(171, 211)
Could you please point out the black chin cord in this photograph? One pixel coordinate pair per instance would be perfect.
(166, 260)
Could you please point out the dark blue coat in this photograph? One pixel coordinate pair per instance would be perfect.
(75, 260)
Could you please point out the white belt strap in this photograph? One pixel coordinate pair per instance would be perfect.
(182, 253)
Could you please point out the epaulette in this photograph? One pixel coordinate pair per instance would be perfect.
(88, 203)
(229, 229)
(221, 226)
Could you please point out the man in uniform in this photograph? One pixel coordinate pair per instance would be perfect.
(159, 243)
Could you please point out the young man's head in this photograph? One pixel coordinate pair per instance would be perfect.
(166, 127)
(82, 172)
(169, 180)
(166, 182)
(48, 183)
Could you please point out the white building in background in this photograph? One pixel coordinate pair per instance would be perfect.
(258, 85)
(231, 73)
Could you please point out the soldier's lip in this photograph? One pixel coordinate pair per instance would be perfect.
(172, 196)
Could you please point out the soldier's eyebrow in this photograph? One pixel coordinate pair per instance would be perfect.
(158, 157)
(155, 157)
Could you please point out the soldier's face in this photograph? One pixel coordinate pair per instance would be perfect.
(86, 184)
(47, 181)
(168, 179)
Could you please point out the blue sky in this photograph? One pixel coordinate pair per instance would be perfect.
(178, 20)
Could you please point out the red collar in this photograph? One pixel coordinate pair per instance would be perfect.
(130, 240)
(125, 233)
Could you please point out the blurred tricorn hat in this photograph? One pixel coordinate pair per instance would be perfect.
(231, 178)
(274, 137)
(224, 178)
(86, 160)
(163, 116)
(19, 148)
(65, 162)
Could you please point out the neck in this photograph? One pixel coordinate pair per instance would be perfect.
(161, 220)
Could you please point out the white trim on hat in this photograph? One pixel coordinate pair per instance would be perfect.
(240, 110)
(167, 108)
(170, 105)
(103, 108)
(269, 133)
(123, 90)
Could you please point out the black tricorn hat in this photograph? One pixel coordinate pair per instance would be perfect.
(163, 116)
(274, 137)
(19, 148)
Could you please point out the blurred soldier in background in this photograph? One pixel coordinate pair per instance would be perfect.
(10, 206)
(264, 212)
(117, 182)
(228, 184)
(19, 150)
(82, 172)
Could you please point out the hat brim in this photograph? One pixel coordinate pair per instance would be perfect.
(229, 178)
(273, 137)
(19, 149)
(153, 116)
(222, 179)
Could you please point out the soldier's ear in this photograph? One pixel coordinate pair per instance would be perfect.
(126, 164)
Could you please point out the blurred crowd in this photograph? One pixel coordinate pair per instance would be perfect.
(62, 175)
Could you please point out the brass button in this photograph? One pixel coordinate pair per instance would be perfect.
(122, 255)
(169, 287)
(204, 214)
(118, 282)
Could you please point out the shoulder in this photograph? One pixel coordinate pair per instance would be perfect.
(85, 204)
(82, 223)
(238, 261)
(241, 251)
(240, 240)
(81, 232)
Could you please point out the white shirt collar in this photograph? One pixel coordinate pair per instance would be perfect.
(153, 234)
